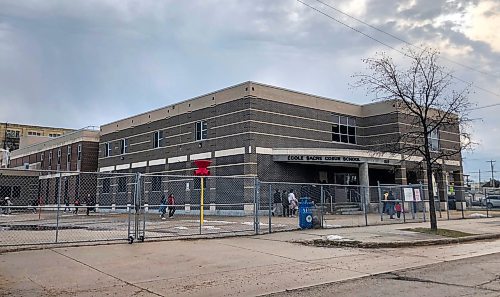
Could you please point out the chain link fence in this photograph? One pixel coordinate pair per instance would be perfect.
(44, 207)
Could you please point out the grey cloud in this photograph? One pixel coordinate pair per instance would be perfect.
(99, 61)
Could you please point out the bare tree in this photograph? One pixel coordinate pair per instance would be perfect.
(423, 95)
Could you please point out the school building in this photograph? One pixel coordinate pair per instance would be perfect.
(275, 134)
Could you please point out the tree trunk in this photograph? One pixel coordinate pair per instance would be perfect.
(430, 193)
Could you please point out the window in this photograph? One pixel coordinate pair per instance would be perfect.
(58, 156)
(79, 152)
(434, 140)
(106, 183)
(123, 146)
(197, 183)
(50, 158)
(107, 149)
(344, 129)
(156, 183)
(41, 156)
(201, 130)
(122, 184)
(34, 133)
(13, 133)
(158, 139)
(68, 158)
(54, 134)
(69, 152)
(16, 192)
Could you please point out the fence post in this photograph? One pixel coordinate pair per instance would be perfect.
(402, 196)
(136, 204)
(365, 205)
(58, 206)
(322, 205)
(256, 205)
(423, 200)
(271, 204)
(381, 209)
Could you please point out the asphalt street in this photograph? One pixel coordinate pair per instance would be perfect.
(477, 276)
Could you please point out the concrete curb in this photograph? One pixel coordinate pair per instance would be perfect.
(398, 244)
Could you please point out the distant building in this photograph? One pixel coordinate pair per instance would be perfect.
(60, 168)
(74, 151)
(10, 134)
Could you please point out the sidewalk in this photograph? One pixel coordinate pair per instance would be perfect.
(235, 266)
(393, 232)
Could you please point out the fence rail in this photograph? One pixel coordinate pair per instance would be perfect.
(42, 207)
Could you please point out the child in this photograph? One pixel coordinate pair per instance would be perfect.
(77, 204)
(171, 206)
(398, 209)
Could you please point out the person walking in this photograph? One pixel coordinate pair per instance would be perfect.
(77, 205)
(90, 204)
(293, 202)
(163, 207)
(171, 206)
(276, 202)
(284, 203)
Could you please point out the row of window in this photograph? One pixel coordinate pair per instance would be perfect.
(201, 133)
(156, 184)
(17, 134)
(343, 130)
(68, 156)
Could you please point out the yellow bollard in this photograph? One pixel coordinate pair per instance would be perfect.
(201, 200)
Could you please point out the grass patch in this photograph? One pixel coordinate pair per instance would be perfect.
(441, 232)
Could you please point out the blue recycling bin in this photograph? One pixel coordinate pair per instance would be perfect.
(305, 213)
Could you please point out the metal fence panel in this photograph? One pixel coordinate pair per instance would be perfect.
(47, 207)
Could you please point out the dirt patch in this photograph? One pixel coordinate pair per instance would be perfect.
(441, 232)
(397, 244)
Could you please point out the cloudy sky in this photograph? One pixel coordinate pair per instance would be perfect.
(79, 63)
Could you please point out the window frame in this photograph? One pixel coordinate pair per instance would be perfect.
(158, 139)
(201, 131)
(344, 129)
(122, 188)
(434, 136)
(124, 146)
(79, 152)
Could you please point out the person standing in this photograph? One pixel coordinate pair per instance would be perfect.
(66, 203)
(284, 203)
(163, 207)
(171, 206)
(293, 202)
(8, 203)
(390, 205)
(276, 202)
(398, 209)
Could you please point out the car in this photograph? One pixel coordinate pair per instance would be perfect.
(492, 201)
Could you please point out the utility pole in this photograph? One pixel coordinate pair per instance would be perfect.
(492, 172)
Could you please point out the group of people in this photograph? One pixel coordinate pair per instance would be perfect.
(390, 206)
(167, 203)
(285, 203)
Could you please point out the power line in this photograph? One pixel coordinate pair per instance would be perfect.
(403, 40)
(352, 28)
(389, 46)
(486, 106)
